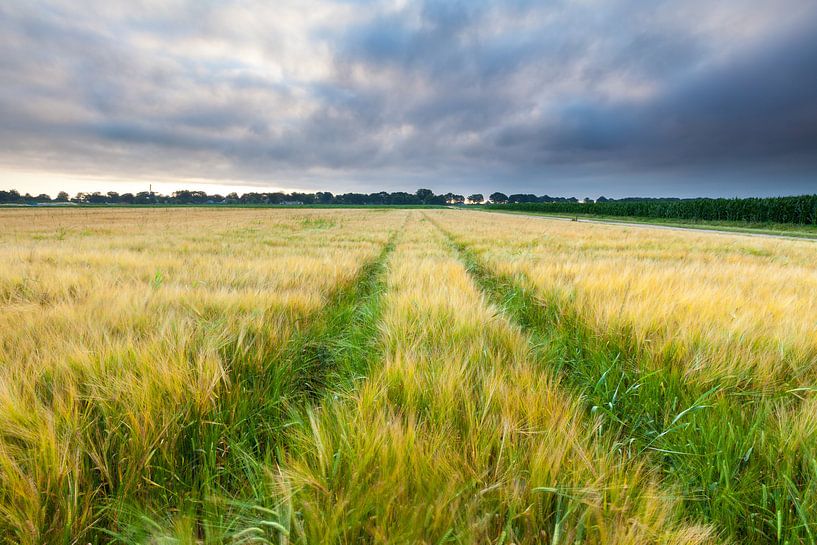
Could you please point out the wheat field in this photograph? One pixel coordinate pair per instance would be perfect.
(252, 376)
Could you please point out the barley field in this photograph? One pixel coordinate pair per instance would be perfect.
(309, 376)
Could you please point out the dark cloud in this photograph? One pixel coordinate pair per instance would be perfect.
(570, 97)
(759, 107)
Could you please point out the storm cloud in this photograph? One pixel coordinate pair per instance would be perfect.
(581, 98)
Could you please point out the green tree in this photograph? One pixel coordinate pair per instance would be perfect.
(424, 195)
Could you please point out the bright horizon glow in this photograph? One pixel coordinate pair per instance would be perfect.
(52, 183)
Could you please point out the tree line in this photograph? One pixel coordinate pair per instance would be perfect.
(419, 197)
(798, 209)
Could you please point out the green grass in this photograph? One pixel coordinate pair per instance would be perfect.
(318, 223)
(428, 399)
(718, 443)
(222, 453)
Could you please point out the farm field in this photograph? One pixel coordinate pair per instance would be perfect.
(785, 230)
(249, 376)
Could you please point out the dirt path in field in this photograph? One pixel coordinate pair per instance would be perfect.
(665, 227)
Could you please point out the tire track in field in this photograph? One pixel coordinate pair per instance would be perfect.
(226, 450)
(457, 438)
(340, 345)
(712, 441)
(336, 346)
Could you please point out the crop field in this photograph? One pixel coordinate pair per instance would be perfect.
(343, 376)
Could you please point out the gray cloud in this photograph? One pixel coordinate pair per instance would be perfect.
(582, 98)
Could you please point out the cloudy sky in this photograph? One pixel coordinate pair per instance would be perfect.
(584, 97)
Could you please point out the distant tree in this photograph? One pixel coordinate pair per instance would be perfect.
(98, 198)
(62, 196)
(10, 196)
(602, 199)
(306, 198)
(253, 198)
(43, 197)
(452, 198)
(379, 198)
(522, 197)
(352, 198)
(401, 197)
(498, 198)
(91, 198)
(143, 197)
(324, 197)
(182, 196)
(126, 198)
(588, 200)
(113, 196)
(476, 198)
(424, 195)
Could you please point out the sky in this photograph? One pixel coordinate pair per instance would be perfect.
(574, 98)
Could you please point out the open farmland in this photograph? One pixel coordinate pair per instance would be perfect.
(249, 376)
